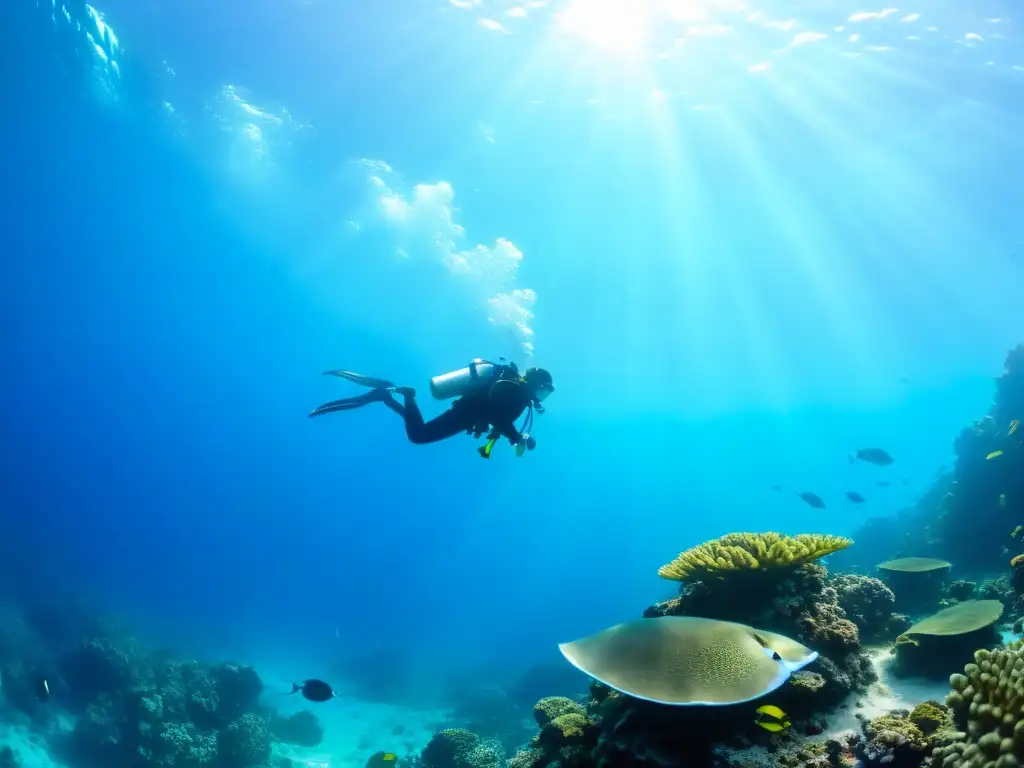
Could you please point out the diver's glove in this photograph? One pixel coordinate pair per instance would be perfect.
(530, 443)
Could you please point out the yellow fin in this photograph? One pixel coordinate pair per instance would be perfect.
(388, 756)
(772, 711)
(994, 454)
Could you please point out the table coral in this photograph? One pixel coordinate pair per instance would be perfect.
(742, 552)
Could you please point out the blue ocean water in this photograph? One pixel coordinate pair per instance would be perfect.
(746, 240)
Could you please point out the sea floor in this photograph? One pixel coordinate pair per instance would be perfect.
(354, 730)
(887, 694)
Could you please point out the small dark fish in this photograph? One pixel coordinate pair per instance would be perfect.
(872, 456)
(398, 730)
(883, 483)
(314, 690)
(904, 380)
(41, 689)
(382, 760)
(855, 497)
(776, 488)
(813, 499)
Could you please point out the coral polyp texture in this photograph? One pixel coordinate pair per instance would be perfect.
(988, 705)
(739, 552)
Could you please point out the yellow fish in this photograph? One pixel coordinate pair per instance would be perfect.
(994, 454)
(1013, 426)
(1017, 531)
(380, 759)
(771, 718)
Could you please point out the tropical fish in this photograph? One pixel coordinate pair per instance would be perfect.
(813, 499)
(1013, 426)
(314, 690)
(381, 760)
(872, 456)
(771, 718)
(994, 455)
(855, 497)
(1017, 531)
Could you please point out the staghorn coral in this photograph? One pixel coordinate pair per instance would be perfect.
(740, 552)
(988, 704)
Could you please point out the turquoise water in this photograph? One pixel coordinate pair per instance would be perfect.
(745, 239)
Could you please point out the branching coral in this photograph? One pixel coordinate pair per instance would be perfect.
(738, 552)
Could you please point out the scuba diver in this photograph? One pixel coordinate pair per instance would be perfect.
(491, 396)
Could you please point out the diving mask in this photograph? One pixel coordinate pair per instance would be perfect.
(542, 392)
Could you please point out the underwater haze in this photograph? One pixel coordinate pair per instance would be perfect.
(746, 238)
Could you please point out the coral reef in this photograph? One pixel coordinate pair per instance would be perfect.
(737, 552)
(904, 738)
(968, 514)
(133, 706)
(459, 748)
(869, 603)
(988, 707)
(489, 712)
(801, 603)
(946, 640)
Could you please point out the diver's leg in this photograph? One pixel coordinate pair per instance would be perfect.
(450, 423)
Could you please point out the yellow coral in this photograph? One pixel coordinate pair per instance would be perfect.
(750, 551)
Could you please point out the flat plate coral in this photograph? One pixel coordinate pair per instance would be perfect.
(915, 564)
(746, 552)
(959, 619)
(688, 661)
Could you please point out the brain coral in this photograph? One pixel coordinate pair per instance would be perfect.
(988, 702)
(738, 552)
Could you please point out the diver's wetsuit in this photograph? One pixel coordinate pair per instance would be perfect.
(499, 406)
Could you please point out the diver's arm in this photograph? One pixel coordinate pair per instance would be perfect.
(508, 429)
(506, 401)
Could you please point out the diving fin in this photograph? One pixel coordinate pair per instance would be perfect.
(347, 404)
(358, 378)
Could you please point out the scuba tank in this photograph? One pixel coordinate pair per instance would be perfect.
(465, 380)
